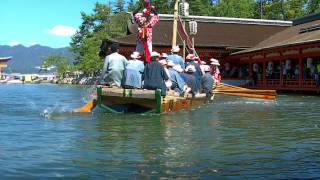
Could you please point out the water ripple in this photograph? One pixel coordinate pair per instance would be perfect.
(233, 138)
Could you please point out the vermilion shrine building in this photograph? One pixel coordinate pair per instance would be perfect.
(241, 44)
(3, 63)
(286, 60)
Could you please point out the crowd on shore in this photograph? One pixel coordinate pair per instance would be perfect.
(169, 73)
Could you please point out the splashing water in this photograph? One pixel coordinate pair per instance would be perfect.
(56, 113)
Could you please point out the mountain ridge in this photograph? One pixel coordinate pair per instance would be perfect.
(25, 59)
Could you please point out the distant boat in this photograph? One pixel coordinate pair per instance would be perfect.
(14, 79)
(42, 68)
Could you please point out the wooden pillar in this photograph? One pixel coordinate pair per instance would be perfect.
(300, 72)
(175, 23)
(281, 69)
(184, 49)
(2, 65)
(281, 72)
(264, 80)
(250, 68)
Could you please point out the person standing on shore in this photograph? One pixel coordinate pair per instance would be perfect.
(113, 67)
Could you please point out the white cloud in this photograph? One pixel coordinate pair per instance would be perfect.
(61, 30)
(14, 43)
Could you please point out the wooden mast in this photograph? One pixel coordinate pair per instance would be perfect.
(175, 19)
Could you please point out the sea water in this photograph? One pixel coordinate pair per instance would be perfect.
(233, 138)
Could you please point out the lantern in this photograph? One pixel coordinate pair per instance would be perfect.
(184, 8)
(193, 27)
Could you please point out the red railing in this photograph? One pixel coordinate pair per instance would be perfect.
(285, 84)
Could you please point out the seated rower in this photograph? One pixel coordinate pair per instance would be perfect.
(175, 57)
(190, 80)
(202, 66)
(176, 79)
(113, 67)
(207, 81)
(215, 72)
(168, 82)
(132, 76)
(193, 60)
(154, 75)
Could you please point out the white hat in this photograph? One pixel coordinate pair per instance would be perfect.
(203, 62)
(170, 63)
(164, 55)
(214, 62)
(206, 68)
(177, 68)
(175, 49)
(190, 57)
(168, 83)
(135, 55)
(155, 54)
(163, 62)
(190, 68)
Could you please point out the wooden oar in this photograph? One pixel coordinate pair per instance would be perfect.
(258, 96)
(247, 91)
(231, 86)
(87, 107)
(231, 90)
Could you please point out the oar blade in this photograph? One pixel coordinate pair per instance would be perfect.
(87, 107)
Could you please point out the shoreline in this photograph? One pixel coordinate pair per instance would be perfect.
(76, 81)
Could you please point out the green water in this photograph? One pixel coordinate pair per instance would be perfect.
(233, 138)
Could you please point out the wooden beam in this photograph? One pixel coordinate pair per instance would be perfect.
(175, 19)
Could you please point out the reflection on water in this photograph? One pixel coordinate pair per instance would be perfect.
(234, 137)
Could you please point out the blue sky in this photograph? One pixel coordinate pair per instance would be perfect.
(46, 22)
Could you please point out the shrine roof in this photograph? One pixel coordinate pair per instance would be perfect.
(5, 59)
(218, 32)
(305, 30)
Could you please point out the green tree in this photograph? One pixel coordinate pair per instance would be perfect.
(283, 9)
(296, 8)
(235, 8)
(313, 6)
(119, 6)
(163, 6)
(131, 6)
(59, 61)
(200, 7)
(95, 27)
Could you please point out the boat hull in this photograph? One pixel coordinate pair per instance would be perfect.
(118, 100)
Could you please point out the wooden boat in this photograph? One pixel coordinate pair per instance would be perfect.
(118, 100)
